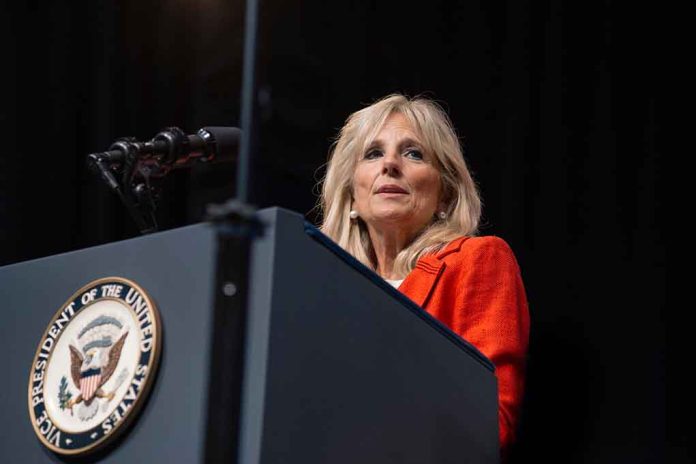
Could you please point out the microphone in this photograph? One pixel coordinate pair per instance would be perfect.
(172, 149)
(132, 169)
(210, 144)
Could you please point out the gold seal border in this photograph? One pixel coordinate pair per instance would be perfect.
(152, 368)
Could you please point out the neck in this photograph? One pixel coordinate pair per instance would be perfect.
(387, 244)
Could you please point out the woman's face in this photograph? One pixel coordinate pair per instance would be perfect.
(396, 183)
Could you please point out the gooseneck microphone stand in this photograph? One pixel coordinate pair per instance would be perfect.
(123, 169)
(133, 170)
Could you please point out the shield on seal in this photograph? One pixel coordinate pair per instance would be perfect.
(89, 382)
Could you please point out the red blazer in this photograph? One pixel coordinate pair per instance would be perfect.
(474, 287)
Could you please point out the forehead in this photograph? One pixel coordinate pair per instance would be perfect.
(397, 125)
(397, 122)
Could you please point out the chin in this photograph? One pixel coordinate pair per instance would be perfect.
(395, 217)
(392, 213)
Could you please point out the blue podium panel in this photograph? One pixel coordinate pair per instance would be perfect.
(176, 269)
(339, 367)
(355, 372)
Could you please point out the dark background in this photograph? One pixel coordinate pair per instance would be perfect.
(559, 105)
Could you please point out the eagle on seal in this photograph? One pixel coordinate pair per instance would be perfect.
(94, 369)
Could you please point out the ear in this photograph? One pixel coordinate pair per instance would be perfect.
(350, 193)
(445, 198)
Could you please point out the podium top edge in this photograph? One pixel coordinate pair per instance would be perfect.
(332, 246)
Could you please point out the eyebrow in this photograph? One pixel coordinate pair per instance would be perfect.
(407, 142)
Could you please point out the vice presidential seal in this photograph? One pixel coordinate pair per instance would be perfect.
(94, 366)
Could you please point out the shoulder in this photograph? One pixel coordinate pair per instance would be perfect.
(479, 253)
(484, 246)
(487, 242)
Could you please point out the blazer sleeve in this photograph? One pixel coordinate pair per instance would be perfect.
(493, 315)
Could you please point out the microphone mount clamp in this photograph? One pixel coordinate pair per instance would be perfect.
(132, 169)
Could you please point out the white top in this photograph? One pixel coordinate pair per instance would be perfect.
(395, 283)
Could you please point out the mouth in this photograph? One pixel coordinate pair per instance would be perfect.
(392, 188)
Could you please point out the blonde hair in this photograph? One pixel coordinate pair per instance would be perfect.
(459, 191)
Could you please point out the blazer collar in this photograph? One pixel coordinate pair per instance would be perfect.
(452, 247)
(420, 282)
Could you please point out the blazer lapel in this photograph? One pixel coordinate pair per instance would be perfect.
(420, 282)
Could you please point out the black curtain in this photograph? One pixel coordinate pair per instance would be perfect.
(559, 105)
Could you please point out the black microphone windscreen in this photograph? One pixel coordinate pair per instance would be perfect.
(226, 139)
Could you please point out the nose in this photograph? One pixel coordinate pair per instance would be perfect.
(391, 164)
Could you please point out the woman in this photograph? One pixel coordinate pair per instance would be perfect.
(398, 196)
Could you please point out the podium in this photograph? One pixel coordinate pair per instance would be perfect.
(321, 362)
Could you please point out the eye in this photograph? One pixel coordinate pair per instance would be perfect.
(372, 154)
(414, 153)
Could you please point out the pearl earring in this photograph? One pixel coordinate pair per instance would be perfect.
(442, 215)
(353, 214)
